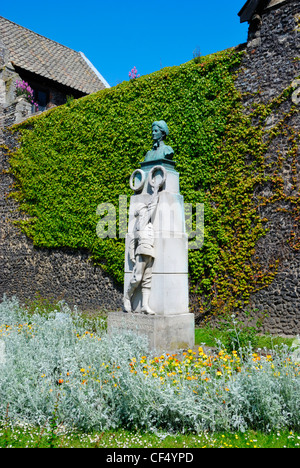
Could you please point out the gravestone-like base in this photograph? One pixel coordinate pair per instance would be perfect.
(164, 333)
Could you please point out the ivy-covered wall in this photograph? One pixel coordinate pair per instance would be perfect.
(29, 272)
(236, 148)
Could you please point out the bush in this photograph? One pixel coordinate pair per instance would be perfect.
(237, 335)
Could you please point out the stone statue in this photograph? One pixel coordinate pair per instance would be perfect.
(142, 253)
(159, 150)
(156, 286)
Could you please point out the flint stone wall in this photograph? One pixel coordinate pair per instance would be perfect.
(271, 65)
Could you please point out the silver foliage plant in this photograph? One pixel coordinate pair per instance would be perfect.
(50, 361)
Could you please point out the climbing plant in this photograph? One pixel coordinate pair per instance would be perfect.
(82, 154)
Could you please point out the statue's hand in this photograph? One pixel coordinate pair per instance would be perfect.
(156, 189)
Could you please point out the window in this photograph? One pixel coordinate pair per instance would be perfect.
(41, 98)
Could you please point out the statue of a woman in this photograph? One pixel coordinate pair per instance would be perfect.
(159, 150)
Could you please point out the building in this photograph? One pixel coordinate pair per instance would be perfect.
(254, 12)
(253, 7)
(51, 70)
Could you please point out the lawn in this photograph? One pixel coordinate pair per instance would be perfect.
(209, 336)
(27, 437)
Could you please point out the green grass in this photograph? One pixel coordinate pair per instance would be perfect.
(27, 437)
(209, 336)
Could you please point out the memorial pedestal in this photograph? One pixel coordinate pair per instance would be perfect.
(164, 333)
(156, 257)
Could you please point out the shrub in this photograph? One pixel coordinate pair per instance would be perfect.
(57, 371)
(237, 335)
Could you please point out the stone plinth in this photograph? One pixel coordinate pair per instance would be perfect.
(164, 333)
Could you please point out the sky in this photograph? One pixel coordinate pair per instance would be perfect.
(117, 35)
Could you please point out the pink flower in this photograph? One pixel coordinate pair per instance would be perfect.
(134, 74)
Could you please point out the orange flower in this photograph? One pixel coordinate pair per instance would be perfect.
(61, 381)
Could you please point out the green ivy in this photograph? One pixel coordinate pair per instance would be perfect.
(82, 154)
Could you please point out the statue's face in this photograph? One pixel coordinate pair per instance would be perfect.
(157, 134)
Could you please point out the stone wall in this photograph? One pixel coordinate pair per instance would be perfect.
(272, 59)
(271, 65)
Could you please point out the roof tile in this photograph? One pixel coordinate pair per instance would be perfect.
(47, 58)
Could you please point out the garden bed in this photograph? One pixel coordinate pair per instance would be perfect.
(62, 368)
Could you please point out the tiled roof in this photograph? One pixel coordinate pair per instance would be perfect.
(49, 59)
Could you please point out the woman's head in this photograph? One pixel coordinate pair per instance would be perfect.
(159, 130)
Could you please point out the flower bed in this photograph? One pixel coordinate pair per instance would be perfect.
(66, 363)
